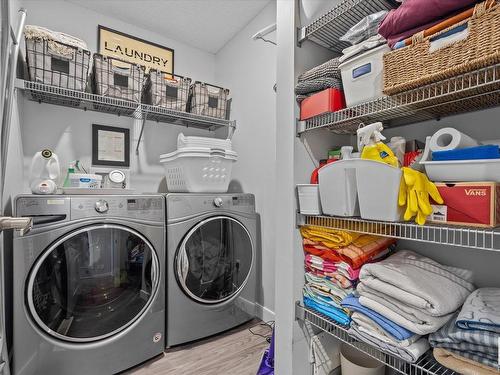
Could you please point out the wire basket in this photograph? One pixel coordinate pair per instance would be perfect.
(167, 90)
(117, 78)
(57, 64)
(209, 100)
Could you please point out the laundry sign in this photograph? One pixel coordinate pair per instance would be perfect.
(135, 50)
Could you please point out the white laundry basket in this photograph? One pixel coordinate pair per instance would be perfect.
(355, 362)
(198, 170)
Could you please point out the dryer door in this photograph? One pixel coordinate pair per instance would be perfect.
(214, 260)
(93, 283)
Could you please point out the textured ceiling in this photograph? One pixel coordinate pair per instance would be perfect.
(204, 24)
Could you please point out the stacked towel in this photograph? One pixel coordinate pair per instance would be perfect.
(321, 77)
(470, 340)
(375, 329)
(413, 291)
(341, 273)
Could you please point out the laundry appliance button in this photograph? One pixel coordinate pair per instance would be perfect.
(218, 202)
(101, 206)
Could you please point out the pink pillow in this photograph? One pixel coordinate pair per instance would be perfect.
(414, 13)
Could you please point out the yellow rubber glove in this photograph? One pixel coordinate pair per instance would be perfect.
(414, 191)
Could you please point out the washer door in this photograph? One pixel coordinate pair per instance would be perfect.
(93, 283)
(214, 260)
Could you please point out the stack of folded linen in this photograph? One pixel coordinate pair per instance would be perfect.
(468, 343)
(324, 76)
(413, 291)
(332, 263)
(375, 329)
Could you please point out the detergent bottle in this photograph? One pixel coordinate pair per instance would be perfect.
(44, 172)
(371, 146)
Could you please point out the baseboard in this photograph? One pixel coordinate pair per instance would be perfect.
(263, 313)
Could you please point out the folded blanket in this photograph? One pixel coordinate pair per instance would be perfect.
(461, 364)
(340, 280)
(399, 333)
(410, 353)
(331, 238)
(328, 267)
(411, 279)
(326, 287)
(481, 311)
(331, 312)
(317, 84)
(329, 69)
(479, 346)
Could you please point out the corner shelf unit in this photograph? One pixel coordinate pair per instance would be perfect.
(479, 89)
(426, 365)
(42, 93)
(327, 29)
(470, 237)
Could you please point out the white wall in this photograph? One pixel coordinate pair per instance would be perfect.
(68, 132)
(247, 68)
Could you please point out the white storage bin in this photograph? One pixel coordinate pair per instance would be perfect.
(198, 170)
(362, 76)
(309, 201)
(378, 190)
(338, 188)
(463, 170)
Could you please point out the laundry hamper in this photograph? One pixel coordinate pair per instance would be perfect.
(414, 66)
(209, 100)
(168, 90)
(118, 78)
(56, 59)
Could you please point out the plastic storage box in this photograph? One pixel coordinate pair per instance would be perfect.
(56, 59)
(309, 201)
(168, 90)
(329, 100)
(118, 78)
(362, 76)
(209, 100)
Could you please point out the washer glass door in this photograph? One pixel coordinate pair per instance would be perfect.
(214, 260)
(93, 283)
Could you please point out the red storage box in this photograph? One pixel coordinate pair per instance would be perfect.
(329, 100)
(468, 203)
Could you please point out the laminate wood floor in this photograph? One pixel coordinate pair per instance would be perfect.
(237, 351)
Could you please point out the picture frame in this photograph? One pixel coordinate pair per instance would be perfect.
(110, 146)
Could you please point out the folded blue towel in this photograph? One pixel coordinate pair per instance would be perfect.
(481, 311)
(468, 153)
(331, 312)
(351, 302)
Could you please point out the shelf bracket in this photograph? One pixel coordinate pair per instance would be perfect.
(301, 36)
(144, 117)
(299, 311)
(300, 220)
(300, 126)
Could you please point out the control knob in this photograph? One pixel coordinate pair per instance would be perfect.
(218, 202)
(101, 206)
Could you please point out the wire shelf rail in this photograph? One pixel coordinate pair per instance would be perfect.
(476, 238)
(468, 92)
(43, 93)
(327, 29)
(424, 366)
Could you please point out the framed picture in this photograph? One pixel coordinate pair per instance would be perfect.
(135, 50)
(110, 146)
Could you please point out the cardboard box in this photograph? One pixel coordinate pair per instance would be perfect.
(468, 203)
(329, 100)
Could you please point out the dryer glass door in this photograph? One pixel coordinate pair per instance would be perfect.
(214, 260)
(93, 283)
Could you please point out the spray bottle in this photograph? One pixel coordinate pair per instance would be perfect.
(371, 146)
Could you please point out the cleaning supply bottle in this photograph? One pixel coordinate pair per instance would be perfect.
(44, 172)
(371, 147)
(71, 169)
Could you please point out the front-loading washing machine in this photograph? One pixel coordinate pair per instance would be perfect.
(88, 284)
(211, 249)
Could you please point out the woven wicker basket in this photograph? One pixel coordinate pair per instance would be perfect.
(414, 66)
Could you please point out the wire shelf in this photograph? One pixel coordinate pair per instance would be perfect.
(476, 238)
(425, 365)
(327, 29)
(83, 100)
(468, 92)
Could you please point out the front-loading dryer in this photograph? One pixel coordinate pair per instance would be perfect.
(211, 249)
(88, 284)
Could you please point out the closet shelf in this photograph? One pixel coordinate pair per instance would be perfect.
(468, 92)
(327, 29)
(475, 238)
(83, 100)
(425, 365)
